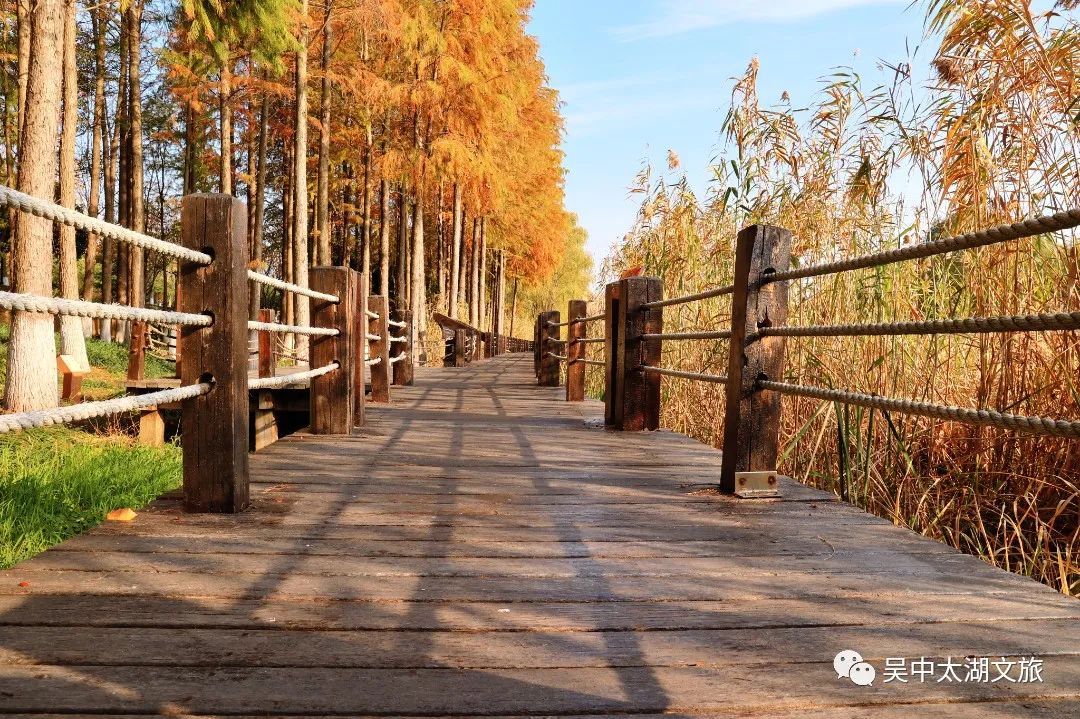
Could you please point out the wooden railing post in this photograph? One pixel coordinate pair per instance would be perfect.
(637, 394)
(575, 351)
(459, 348)
(752, 417)
(137, 340)
(267, 358)
(380, 373)
(403, 369)
(549, 366)
(536, 344)
(214, 426)
(611, 354)
(334, 402)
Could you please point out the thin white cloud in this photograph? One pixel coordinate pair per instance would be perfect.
(676, 17)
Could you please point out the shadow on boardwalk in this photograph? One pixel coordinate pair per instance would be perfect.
(477, 550)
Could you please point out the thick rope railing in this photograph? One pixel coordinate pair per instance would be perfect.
(104, 408)
(291, 379)
(66, 216)
(718, 335)
(588, 340)
(372, 315)
(583, 320)
(398, 325)
(293, 329)
(558, 324)
(289, 287)
(970, 325)
(707, 294)
(373, 362)
(372, 337)
(589, 362)
(78, 308)
(561, 358)
(398, 339)
(986, 417)
(699, 376)
(992, 235)
(395, 360)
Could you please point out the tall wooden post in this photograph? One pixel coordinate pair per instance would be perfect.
(459, 357)
(638, 392)
(359, 343)
(536, 344)
(549, 365)
(403, 369)
(575, 351)
(137, 339)
(333, 395)
(611, 354)
(752, 417)
(380, 373)
(214, 426)
(267, 360)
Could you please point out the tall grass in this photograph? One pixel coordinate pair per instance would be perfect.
(993, 138)
(57, 482)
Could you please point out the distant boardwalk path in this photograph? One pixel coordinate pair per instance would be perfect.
(478, 549)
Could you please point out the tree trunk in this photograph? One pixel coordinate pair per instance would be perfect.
(401, 290)
(365, 225)
(123, 172)
(260, 203)
(384, 238)
(22, 17)
(72, 341)
(481, 280)
(300, 196)
(225, 115)
(322, 198)
(31, 374)
(137, 218)
(98, 21)
(418, 303)
(455, 261)
(110, 150)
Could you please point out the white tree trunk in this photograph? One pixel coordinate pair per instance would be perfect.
(455, 262)
(31, 379)
(419, 293)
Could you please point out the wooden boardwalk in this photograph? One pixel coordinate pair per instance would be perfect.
(479, 549)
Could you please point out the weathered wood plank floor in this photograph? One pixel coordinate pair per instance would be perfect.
(479, 550)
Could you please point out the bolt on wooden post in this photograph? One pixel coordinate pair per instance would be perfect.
(333, 395)
(575, 351)
(380, 348)
(549, 346)
(214, 426)
(752, 417)
(638, 393)
(611, 354)
(403, 369)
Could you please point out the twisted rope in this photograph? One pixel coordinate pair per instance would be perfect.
(293, 329)
(373, 362)
(79, 308)
(591, 318)
(89, 410)
(399, 325)
(289, 286)
(395, 360)
(591, 363)
(290, 379)
(587, 341)
(373, 337)
(986, 417)
(991, 235)
(372, 315)
(66, 216)
(707, 294)
(970, 325)
(561, 358)
(399, 339)
(719, 335)
(699, 376)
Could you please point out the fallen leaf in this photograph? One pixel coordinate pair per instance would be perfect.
(24, 584)
(121, 515)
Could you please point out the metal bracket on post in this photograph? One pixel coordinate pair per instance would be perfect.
(757, 485)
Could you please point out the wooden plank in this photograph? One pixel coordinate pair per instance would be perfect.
(214, 426)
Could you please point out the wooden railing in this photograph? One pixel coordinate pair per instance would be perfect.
(464, 344)
(350, 332)
(633, 339)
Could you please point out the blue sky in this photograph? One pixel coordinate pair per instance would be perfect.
(640, 77)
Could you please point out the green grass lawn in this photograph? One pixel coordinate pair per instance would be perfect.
(57, 482)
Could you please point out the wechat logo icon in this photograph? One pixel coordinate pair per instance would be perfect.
(850, 665)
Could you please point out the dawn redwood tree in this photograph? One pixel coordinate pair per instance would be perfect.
(31, 375)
